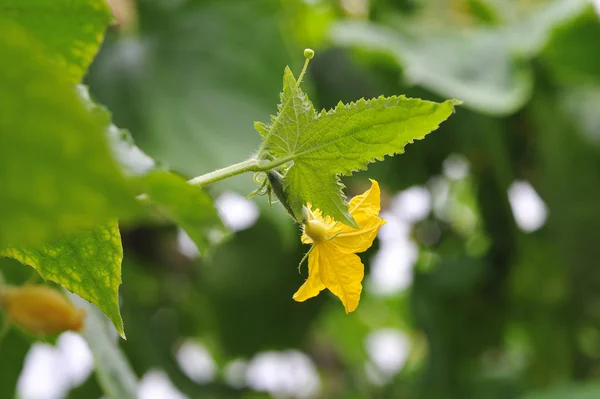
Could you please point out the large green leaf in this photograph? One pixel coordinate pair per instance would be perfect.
(87, 263)
(187, 205)
(70, 30)
(572, 53)
(343, 140)
(131, 159)
(57, 170)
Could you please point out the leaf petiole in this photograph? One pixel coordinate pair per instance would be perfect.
(249, 165)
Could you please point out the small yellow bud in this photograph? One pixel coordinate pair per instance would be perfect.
(309, 53)
(40, 309)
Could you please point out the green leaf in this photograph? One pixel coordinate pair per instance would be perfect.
(58, 174)
(112, 368)
(295, 113)
(571, 55)
(187, 205)
(71, 31)
(132, 160)
(87, 263)
(341, 141)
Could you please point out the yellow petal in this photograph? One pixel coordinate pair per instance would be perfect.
(365, 210)
(342, 274)
(356, 241)
(368, 202)
(313, 285)
(306, 239)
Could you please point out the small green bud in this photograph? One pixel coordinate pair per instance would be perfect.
(276, 184)
(309, 53)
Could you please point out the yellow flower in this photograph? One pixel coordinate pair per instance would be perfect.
(332, 260)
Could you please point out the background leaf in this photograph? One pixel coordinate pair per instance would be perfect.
(87, 263)
(569, 58)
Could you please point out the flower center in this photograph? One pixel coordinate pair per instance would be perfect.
(316, 230)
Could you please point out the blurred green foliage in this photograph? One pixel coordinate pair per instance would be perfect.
(493, 311)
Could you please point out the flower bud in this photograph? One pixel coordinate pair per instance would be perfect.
(40, 309)
(277, 185)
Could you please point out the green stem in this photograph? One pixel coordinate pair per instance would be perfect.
(221, 174)
(250, 165)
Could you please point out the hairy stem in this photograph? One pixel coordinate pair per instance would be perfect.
(221, 174)
(250, 165)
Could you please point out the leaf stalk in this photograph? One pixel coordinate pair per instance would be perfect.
(250, 165)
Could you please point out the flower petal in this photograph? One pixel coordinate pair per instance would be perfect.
(368, 202)
(365, 210)
(342, 273)
(306, 239)
(356, 241)
(313, 285)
